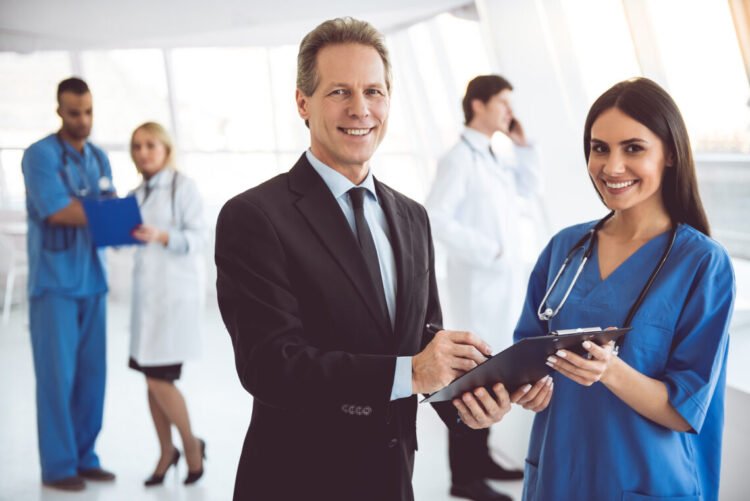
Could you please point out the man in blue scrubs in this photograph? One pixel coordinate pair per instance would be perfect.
(67, 292)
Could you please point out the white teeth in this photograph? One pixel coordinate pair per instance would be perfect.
(356, 132)
(616, 186)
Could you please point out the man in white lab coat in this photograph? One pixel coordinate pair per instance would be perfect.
(473, 207)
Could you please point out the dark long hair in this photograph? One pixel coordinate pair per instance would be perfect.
(646, 102)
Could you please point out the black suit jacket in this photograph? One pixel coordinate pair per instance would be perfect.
(313, 348)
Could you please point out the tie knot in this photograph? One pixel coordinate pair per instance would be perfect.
(358, 197)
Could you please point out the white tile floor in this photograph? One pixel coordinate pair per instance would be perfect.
(220, 411)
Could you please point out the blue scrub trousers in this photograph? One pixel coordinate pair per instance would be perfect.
(69, 344)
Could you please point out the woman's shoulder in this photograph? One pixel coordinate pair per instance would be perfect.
(695, 247)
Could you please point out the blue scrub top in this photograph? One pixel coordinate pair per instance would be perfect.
(588, 444)
(62, 259)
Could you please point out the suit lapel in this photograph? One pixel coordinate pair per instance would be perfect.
(401, 242)
(324, 216)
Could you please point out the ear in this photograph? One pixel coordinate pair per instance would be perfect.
(59, 113)
(477, 105)
(303, 104)
(669, 161)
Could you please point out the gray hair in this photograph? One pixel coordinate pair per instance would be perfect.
(341, 30)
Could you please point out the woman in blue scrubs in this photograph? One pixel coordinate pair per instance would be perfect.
(644, 423)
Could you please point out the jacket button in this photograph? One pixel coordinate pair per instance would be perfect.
(392, 443)
(351, 409)
(367, 410)
(345, 409)
(358, 410)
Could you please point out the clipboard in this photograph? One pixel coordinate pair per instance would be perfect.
(111, 221)
(524, 362)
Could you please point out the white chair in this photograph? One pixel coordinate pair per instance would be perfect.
(13, 260)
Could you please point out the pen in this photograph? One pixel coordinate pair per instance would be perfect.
(434, 329)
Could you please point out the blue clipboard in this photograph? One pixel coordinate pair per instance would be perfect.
(111, 221)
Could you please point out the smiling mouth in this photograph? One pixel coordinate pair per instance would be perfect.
(356, 132)
(618, 186)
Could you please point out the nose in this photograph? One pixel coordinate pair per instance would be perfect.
(614, 164)
(358, 107)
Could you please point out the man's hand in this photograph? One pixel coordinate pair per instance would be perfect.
(479, 409)
(449, 354)
(517, 134)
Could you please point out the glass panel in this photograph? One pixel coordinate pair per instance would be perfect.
(129, 87)
(601, 64)
(704, 71)
(291, 133)
(221, 176)
(224, 99)
(124, 173)
(14, 188)
(29, 98)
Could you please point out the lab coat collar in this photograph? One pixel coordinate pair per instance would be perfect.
(161, 178)
(476, 139)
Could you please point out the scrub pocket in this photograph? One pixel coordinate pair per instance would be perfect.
(530, 477)
(632, 496)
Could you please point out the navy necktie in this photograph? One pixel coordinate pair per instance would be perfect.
(367, 246)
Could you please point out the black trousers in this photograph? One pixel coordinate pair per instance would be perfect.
(468, 455)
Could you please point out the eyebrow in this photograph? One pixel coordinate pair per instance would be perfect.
(347, 85)
(626, 142)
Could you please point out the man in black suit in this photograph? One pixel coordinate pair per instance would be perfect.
(325, 283)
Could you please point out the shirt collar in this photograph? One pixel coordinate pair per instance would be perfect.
(337, 182)
(476, 139)
(160, 178)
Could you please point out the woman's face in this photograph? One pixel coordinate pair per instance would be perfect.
(149, 154)
(626, 161)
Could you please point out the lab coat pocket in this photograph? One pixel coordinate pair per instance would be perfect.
(633, 496)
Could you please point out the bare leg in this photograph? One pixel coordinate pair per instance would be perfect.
(163, 432)
(170, 400)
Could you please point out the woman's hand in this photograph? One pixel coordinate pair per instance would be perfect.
(147, 233)
(534, 398)
(585, 371)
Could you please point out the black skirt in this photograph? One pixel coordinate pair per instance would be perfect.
(164, 372)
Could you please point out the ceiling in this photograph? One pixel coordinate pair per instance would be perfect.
(31, 25)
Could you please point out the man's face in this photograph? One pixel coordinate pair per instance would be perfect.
(348, 112)
(496, 114)
(77, 114)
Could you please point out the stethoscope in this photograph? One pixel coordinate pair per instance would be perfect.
(58, 237)
(147, 190)
(588, 241)
(83, 189)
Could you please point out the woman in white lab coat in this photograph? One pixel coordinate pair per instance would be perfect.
(168, 292)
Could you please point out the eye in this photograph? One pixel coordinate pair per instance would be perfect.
(338, 92)
(374, 92)
(633, 148)
(599, 148)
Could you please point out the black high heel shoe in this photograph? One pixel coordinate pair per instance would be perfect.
(156, 479)
(194, 476)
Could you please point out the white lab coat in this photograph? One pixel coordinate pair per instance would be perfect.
(475, 217)
(169, 282)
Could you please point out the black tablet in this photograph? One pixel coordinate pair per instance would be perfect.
(524, 362)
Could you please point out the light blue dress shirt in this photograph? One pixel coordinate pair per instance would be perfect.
(340, 186)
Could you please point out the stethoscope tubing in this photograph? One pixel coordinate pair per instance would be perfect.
(589, 239)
